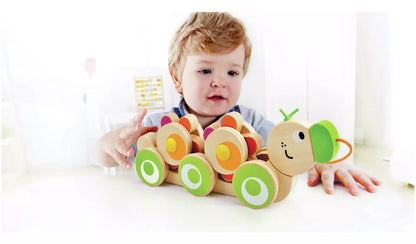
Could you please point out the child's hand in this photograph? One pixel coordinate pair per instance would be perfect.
(117, 143)
(341, 172)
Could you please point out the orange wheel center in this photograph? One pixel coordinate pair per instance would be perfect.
(176, 147)
(228, 155)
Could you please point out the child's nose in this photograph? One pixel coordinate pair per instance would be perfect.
(218, 81)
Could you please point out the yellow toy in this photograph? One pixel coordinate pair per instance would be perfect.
(228, 158)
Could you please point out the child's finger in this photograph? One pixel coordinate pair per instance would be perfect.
(129, 135)
(148, 129)
(327, 178)
(121, 160)
(130, 152)
(375, 181)
(364, 180)
(346, 178)
(122, 148)
(313, 176)
(136, 122)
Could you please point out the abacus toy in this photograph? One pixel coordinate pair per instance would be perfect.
(228, 158)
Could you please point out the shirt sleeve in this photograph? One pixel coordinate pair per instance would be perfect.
(259, 123)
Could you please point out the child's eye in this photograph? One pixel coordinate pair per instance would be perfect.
(205, 71)
(232, 73)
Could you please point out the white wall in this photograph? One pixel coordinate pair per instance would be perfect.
(291, 51)
(254, 84)
(385, 88)
(310, 65)
(403, 77)
(374, 96)
(45, 58)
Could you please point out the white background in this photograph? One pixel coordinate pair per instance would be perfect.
(44, 45)
(312, 60)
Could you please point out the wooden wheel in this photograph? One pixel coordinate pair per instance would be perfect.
(174, 142)
(150, 167)
(226, 149)
(197, 175)
(256, 184)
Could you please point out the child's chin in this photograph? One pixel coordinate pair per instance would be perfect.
(216, 112)
(211, 110)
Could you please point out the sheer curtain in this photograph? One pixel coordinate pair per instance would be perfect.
(45, 49)
(45, 79)
(385, 88)
(403, 80)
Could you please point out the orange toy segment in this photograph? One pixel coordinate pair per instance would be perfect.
(178, 147)
(228, 156)
(185, 122)
(229, 121)
(233, 120)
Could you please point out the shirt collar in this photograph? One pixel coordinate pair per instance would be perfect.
(183, 111)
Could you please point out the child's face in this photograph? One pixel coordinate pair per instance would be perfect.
(211, 83)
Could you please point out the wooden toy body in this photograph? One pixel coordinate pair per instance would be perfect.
(226, 158)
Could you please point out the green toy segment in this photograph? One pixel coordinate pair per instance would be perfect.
(195, 176)
(149, 168)
(288, 117)
(324, 144)
(253, 186)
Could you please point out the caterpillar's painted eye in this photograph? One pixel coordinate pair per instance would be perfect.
(298, 136)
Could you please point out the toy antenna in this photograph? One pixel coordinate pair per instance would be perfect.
(288, 117)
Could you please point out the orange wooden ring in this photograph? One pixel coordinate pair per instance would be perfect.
(346, 156)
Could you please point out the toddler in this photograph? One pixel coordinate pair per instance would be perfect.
(208, 58)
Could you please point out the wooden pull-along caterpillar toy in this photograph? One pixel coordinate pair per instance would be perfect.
(228, 158)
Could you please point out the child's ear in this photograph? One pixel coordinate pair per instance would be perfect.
(177, 83)
(178, 86)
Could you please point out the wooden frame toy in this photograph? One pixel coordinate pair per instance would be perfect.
(228, 158)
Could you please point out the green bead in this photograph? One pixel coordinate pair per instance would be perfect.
(324, 144)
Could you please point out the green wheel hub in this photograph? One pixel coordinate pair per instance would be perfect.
(150, 167)
(195, 176)
(254, 186)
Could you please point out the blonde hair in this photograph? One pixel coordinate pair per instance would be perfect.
(207, 32)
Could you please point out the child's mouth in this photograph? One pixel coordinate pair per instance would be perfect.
(216, 98)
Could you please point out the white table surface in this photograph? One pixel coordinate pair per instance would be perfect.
(85, 200)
